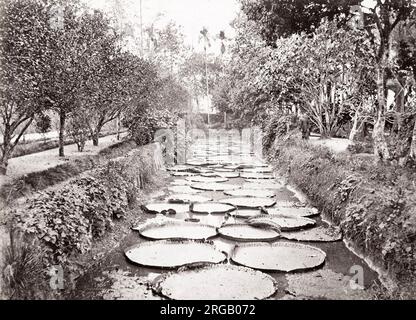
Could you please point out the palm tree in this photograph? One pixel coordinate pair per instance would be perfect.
(205, 38)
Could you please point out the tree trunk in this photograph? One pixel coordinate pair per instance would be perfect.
(354, 129)
(412, 152)
(4, 161)
(62, 120)
(381, 150)
(118, 129)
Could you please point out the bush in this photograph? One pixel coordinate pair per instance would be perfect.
(374, 204)
(24, 272)
(68, 219)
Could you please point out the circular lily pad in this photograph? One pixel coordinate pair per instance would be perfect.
(162, 207)
(258, 170)
(245, 232)
(183, 174)
(223, 170)
(266, 184)
(259, 193)
(207, 179)
(214, 186)
(210, 174)
(280, 256)
(197, 163)
(216, 282)
(187, 198)
(293, 211)
(286, 223)
(229, 175)
(249, 202)
(211, 207)
(183, 189)
(320, 234)
(180, 182)
(245, 213)
(176, 230)
(174, 254)
(179, 168)
(254, 175)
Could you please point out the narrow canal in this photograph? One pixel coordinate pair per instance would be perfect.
(230, 187)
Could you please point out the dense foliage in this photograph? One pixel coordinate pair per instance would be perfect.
(61, 56)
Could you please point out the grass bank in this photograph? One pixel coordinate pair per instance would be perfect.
(39, 180)
(57, 235)
(375, 205)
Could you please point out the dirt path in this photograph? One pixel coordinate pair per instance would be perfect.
(47, 159)
(116, 278)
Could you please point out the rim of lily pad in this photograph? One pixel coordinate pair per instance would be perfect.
(246, 213)
(256, 176)
(302, 222)
(258, 170)
(179, 168)
(293, 211)
(206, 243)
(262, 184)
(183, 174)
(156, 207)
(260, 265)
(263, 287)
(199, 208)
(258, 193)
(207, 179)
(249, 202)
(184, 189)
(177, 223)
(214, 186)
(273, 235)
(187, 198)
(319, 234)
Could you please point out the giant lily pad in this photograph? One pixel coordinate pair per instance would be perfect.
(249, 202)
(176, 230)
(245, 213)
(245, 232)
(286, 223)
(183, 174)
(187, 198)
(211, 207)
(174, 254)
(320, 234)
(258, 170)
(183, 189)
(197, 163)
(254, 175)
(162, 207)
(266, 184)
(293, 211)
(214, 186)
(216, 282)
(229, 175)
(280, 256)
(250, 193)
(180, 182)
(179, 168)
(206, 179)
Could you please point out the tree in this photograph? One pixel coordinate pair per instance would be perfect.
(43, 123)
(102, 93)
(23, 54)
(382, 19)
(277, 18)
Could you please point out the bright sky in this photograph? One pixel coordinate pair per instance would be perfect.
(191, 15)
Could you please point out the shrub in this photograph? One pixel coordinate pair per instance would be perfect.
(24, 272)
(374, 204)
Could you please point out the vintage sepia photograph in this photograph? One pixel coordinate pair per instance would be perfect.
(214, 151)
